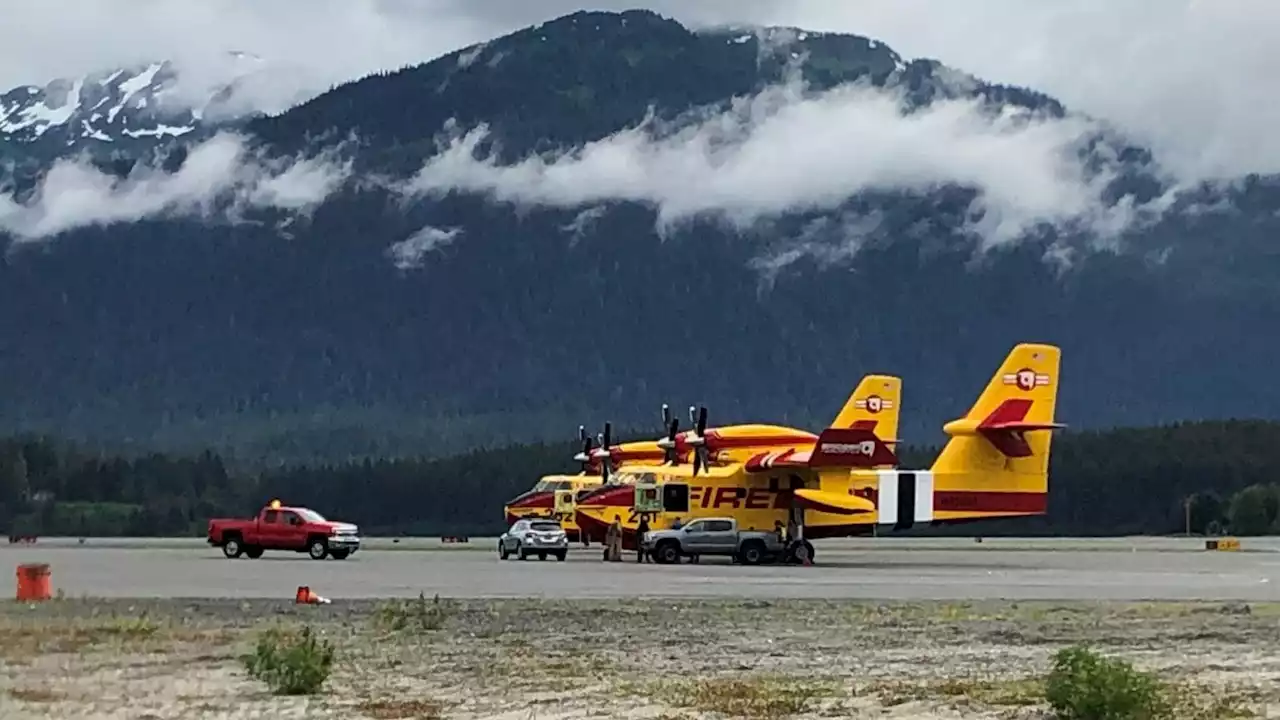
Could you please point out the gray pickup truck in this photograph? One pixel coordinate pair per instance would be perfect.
(713, 536)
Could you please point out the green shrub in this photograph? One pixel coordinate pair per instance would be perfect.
(291, 664)
(1086, 686)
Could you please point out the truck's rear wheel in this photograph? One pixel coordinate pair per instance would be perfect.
(232, 548)
(318, 549)
(253, 552)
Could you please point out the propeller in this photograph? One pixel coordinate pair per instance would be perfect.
(701, 457)
(584, 457)
(606, 442)
(668, 445)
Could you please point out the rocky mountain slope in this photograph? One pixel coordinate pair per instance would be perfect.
(444, 289)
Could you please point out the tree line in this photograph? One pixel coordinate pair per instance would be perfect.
(1216, 476)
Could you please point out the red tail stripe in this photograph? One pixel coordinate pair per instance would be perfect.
(1010, 411)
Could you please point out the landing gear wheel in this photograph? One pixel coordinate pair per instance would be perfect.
(318, 549)
(253, 552)
(232, 548)
(340, 554)
(801, 551)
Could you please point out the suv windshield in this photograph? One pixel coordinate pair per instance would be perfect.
(310, 515)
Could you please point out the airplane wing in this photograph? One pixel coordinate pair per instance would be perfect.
(834, 502)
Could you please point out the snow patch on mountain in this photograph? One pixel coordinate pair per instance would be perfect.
(122, 106)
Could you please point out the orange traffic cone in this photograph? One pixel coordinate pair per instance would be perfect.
(304, 596)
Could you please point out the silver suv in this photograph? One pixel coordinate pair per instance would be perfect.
(534, 536)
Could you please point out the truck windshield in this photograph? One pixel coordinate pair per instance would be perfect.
(310, 515)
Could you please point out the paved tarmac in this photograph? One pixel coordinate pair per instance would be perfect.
(885, 568)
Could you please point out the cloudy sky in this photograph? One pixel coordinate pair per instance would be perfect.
(1193, 76)
(1190, 78)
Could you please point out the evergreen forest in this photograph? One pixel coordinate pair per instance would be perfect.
(1219, 475)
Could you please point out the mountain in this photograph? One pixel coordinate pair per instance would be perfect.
(124, 110)
(506, 301)
(591, 74)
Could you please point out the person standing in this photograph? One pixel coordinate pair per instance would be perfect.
(615, 540)
(641, 529)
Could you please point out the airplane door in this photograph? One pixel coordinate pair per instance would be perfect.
(675, 497)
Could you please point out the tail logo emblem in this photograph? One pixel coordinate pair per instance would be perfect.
(1026, 379)
(873, 404)
(866, 447)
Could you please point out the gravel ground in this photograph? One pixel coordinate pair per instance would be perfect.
(650, 658)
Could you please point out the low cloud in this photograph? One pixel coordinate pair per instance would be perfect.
(220, 178)
(786, 150)
(411, 253)
(1190, 77)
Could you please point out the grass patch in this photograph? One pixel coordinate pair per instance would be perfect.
(1019, 692)
(1086, 686)
(1082, 685)
(52, 636)
(1197, 702)
(401, 709)
(521, 666)
(35, 695)
(417, 615)
(755, 698)
(290, 663)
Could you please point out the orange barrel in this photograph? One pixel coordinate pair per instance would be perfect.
(33, 582)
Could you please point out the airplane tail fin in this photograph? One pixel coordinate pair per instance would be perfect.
(1007, 431)
(874, 406)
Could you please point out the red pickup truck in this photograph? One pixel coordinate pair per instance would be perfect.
(284, 528)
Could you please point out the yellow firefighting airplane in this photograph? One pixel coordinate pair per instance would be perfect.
(847, 482)
(874, 405)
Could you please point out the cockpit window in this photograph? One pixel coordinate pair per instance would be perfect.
(550, 485)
